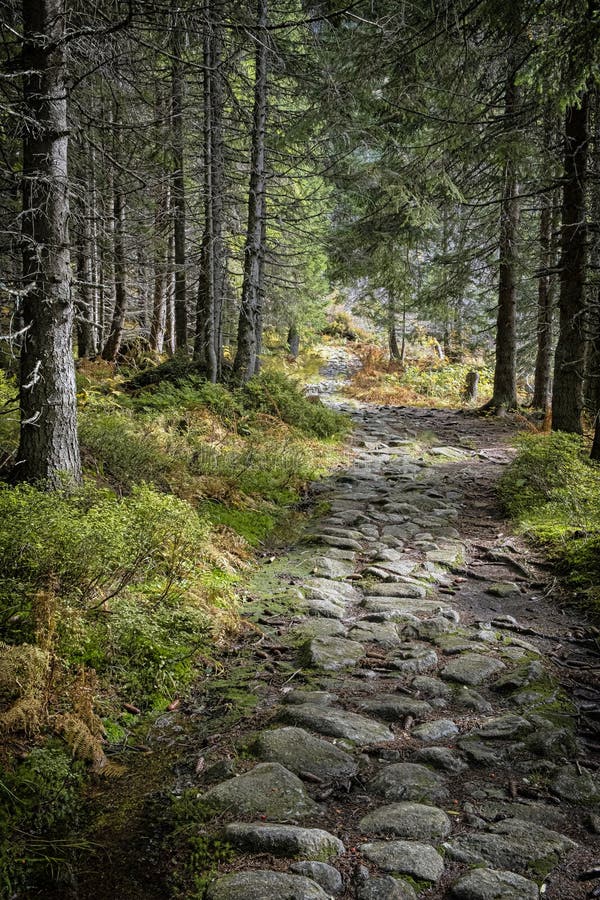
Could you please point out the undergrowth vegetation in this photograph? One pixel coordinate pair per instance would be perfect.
(422, 380)
(114, 597)
(553, 490)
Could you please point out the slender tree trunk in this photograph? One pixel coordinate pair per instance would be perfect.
(94, 261)
(113, 342)
(395, 353)
(207, 348)
(85, 313)
(567, 392)
(592, 356)
(293, 340)
(161, 258)
(505, 372)
(543, 361)
(248, 338)
(48, 447)
(178, 186)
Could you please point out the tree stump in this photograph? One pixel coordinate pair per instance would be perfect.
(471, 386)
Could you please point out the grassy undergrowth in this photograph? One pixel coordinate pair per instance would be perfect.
(552, 489)
(114, 598)
(419, 381)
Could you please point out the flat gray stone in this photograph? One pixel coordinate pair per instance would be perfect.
(491, 884)
(468, 698)
(412, 821)
(530, 811)
(406, 858)
(328, 877)
(319, 626)
(503, 589)
(402, 606)
(258, 885)
(437, 730)
(321, 606)
(333, 653)
(441, 758)
(340, 591)
(384, 633)
(329, 567)
(569, 785)
(503, 728)
(448, 557)
(300, 696)
(472, 668)
(385, 888)
(338, 723)
(336, 540)
(431, 687)
(301, 752)
(395, 707)
(410, 781)
(268, 789)
(513, 844)
(404, 590)
(413, 659)
(282, 840)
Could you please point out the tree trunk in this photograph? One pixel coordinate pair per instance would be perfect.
(161, 258)
(178, 186)
(293, 340)
(113, 342)
(248, 338)
(567, 392)
(48, 448)
(505, 372)
(207, 349)
(543, 360)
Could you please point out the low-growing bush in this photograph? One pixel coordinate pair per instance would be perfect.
(553, 490)
(279, 396)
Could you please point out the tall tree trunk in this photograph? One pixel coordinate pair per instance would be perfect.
(505, 372)
(545, 310)
(48, 447)
(567, 392)
(207, 349)
(395, 352)
(85, 312)
(161, 259)
(244, 365)
(178, 185)
(115, 335)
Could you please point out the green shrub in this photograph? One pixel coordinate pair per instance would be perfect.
(39, 803)
(553, 490)
(90, 545)
(549, 467)
(120, 450)
(278, 396)
(9, 419)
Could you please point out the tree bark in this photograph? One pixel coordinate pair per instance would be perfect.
(207, 349)
(567, 392)
(505, 372)
(48, 448)
(545, 311)
(178, 187)
(248, 337)
(115, 335)
(161, 258)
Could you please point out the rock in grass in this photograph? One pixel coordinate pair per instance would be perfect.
(259, 885)
(268, 789)
(299, 751)
(283, 840)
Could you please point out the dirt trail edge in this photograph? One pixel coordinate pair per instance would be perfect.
(420, 726)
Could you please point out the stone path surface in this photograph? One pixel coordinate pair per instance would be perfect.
(425, 745)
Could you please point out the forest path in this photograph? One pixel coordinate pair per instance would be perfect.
(414, 731)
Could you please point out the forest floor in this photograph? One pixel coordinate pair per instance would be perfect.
(413, 700)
